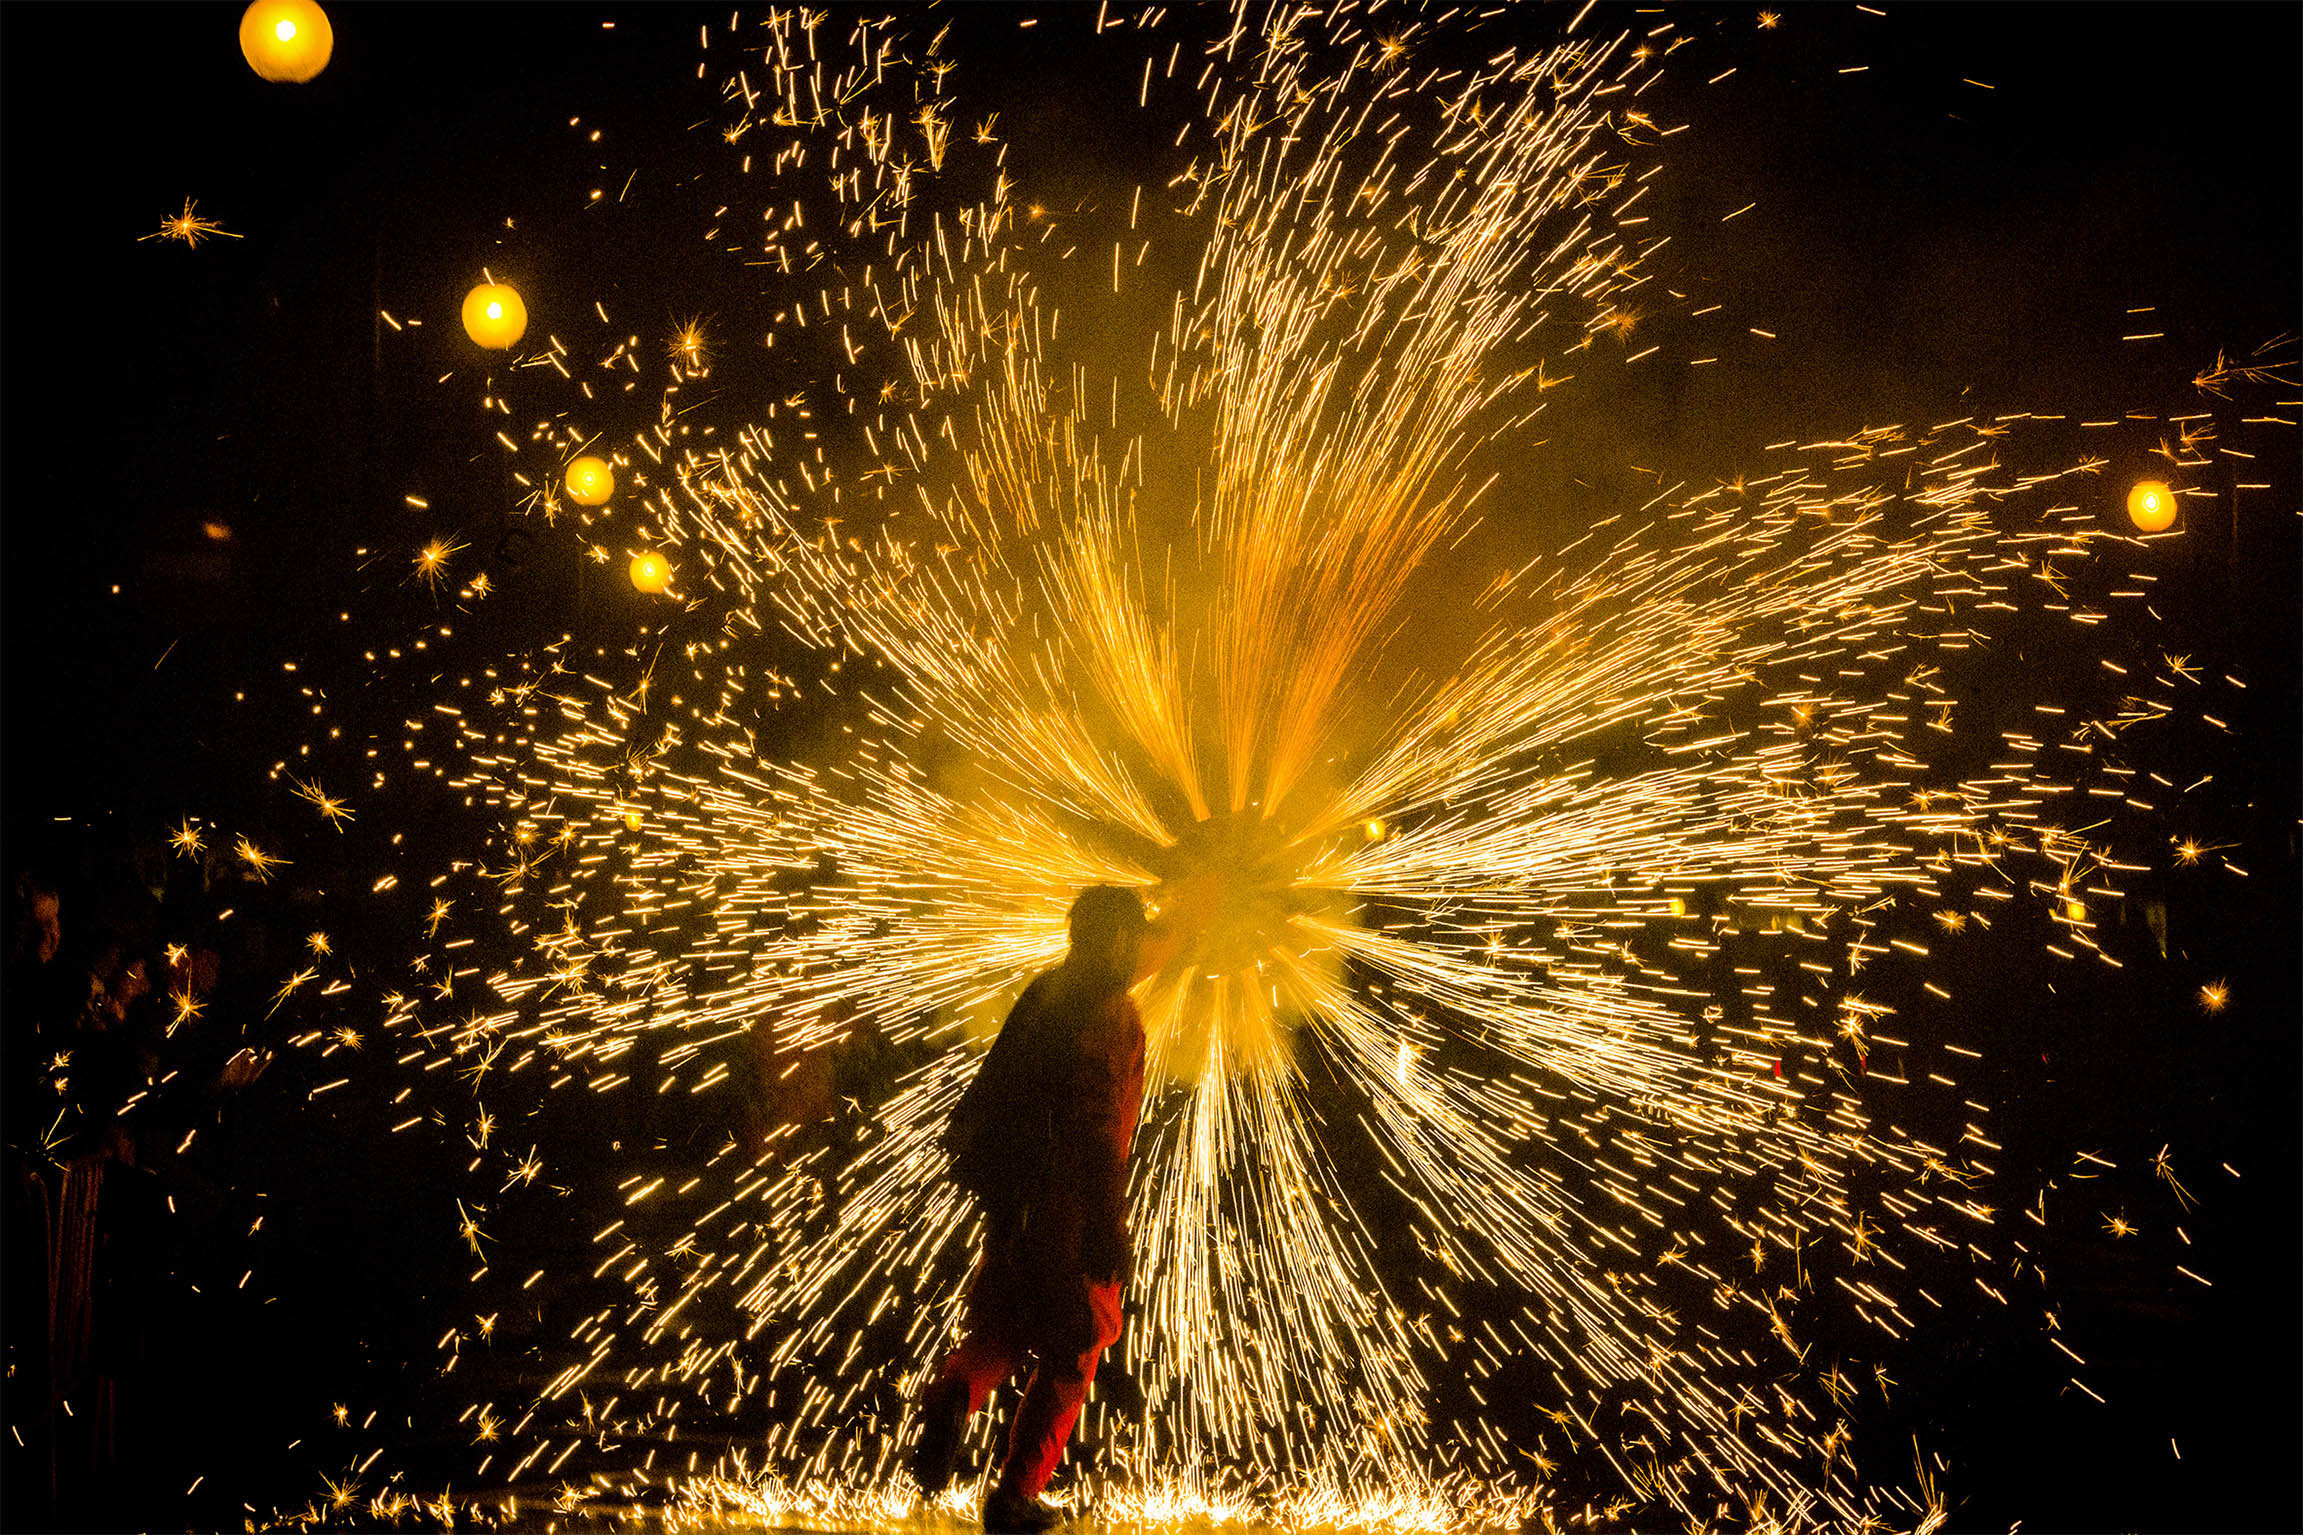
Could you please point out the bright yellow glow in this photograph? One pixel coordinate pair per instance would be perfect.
(2151, 506)
(286, 40)
(494, 316)
(650, 573)
(590, 480)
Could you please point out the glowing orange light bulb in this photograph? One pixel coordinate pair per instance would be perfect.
(590, 480)
(650, 572)
(494, 316)
(2151, 506)
(286, 40)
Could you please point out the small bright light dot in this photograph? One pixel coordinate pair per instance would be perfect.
(2151, 506)
(590, 481)
(650, 573)
(285, 31)
(494, 315)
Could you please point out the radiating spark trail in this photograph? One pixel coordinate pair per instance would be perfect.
(1516, 1035)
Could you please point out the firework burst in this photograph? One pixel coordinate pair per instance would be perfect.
(1523, 1044)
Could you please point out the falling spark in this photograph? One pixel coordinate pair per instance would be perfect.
(431, 561)
(687, 347)
(2164, 1169)
(259, 863)
(335, 810)
(188, 227)
(290, 987)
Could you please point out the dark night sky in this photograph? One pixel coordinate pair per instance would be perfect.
(1918, 241)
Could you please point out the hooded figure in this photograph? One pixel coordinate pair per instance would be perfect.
(1041, 1138)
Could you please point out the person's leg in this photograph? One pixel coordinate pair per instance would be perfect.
(1043, 1424)
(969, 1375)
(977, 1367)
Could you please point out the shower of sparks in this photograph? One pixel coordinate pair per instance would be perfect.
(2163, 1168)
(255, 860)
(2270, 363)
(1526, 1040)
(688, 348)
(431, 561)
(336, 810)
(188, 227)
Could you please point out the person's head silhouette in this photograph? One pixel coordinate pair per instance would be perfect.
(1107, 932)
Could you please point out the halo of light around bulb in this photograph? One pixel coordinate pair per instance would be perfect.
(589, 480)
(2151, 506)
(286, 40)
(650, 572)
(494, 316)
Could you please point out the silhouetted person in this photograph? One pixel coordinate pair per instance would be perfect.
(37, 1002)
(1041, 1138)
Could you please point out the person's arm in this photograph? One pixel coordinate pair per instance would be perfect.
(1106, 1100)
(1003, 1060)
(989, 1097)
